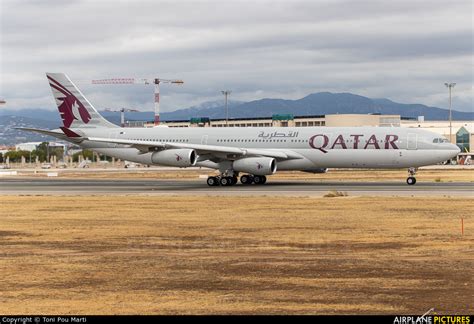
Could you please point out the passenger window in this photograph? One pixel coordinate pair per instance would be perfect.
(435, 140)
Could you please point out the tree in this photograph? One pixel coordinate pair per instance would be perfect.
(58, 152)
(15, 156)
(87, 154)
(43, 151)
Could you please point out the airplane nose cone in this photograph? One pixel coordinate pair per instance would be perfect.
(456, 148)
(450, 151)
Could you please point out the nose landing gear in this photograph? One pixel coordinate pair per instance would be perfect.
(411, 180)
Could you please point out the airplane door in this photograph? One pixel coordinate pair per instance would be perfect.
(412, 141)
(204, 139)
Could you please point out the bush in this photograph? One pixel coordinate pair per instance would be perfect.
(335, 193)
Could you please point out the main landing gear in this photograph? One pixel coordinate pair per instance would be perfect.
(246, 179)
(411, 180)
(221, 181)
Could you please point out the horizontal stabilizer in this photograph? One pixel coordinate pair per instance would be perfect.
(55, 133)
(43, 131)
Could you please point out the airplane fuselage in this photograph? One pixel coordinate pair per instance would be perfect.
(317, 147)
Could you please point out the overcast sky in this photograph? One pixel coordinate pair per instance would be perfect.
(403, 50)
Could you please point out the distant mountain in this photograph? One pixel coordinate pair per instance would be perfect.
(33, 113)
(201, 110)
(11, 136)
(411, 110)
(321, 103)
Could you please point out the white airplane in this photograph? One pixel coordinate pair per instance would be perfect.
(253, 152)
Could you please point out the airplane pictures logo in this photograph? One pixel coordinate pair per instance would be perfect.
(71, 108)
(259, 166)
(427, 318)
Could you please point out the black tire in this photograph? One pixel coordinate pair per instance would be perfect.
(411, 181)
(225, 181)
(235, 180)
(212, 181)
(246, 180)
(264, 179)
(257, 180)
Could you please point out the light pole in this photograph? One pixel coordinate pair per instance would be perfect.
(226, 93)
(450, 86)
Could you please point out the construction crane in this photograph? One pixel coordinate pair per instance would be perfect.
(122, 113)
(155, 81)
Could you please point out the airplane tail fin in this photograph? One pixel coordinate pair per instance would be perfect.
(75, 110)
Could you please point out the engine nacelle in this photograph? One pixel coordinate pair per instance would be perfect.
(175, 157)
(256, 165)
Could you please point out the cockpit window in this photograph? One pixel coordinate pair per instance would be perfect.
(436, 140)
(440, 140)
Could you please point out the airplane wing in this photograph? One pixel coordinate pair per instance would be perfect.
(201, 149)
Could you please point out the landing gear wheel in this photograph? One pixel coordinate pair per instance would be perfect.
(226, 181)
(235, 180)
(259, 179)
(411, 180)
(246, 180)
(411, 176)
(212, 181)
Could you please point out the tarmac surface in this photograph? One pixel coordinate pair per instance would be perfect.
(199, 187)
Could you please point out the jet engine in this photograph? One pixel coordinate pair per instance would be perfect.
(175, 157)
(256, 165)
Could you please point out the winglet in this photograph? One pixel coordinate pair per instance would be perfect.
(69, 133)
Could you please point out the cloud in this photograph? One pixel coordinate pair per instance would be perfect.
(402, 50)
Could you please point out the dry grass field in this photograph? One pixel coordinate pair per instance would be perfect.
(235, 255)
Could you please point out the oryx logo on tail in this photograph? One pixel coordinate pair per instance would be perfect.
(70, 108)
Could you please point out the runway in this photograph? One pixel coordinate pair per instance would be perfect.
(193, 187)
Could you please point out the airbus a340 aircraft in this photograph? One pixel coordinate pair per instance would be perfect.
(252, 152)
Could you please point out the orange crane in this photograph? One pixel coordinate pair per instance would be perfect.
(155, 81)
(122, 113)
